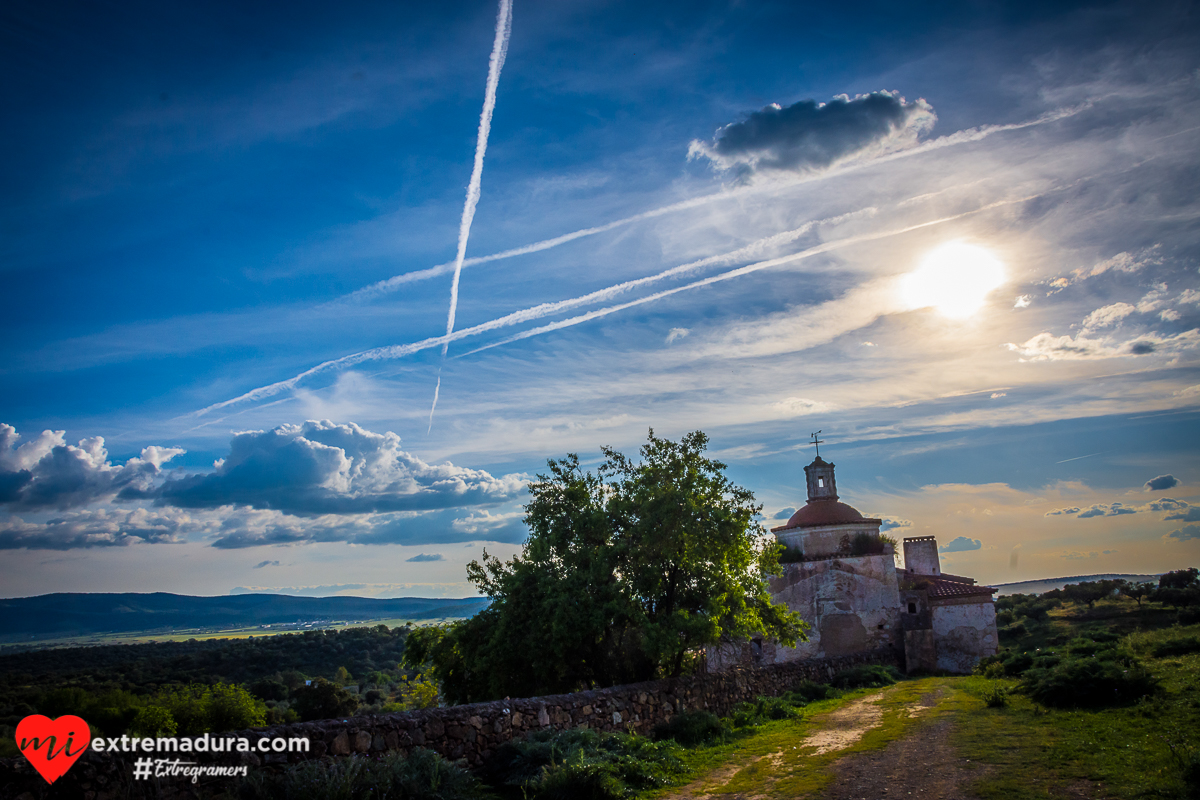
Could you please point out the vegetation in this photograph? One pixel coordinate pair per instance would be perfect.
(191, 687)
(626, 575)
(580, 763)
(423, 775)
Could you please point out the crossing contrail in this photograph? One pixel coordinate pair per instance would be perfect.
(547, 309)
(495, 64)
(959, 137)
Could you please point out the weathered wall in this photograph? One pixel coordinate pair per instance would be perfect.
(964, 631)
(921, 555)
(825, 541)
(851, 605)
(469, 732)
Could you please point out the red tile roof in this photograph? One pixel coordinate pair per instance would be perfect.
(939, 588)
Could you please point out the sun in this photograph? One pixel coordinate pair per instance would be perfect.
(954, 278)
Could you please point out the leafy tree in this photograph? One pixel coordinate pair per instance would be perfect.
(197, 708)
(625, 572)
(1137, 591)
(1179, 579)
(323, 700)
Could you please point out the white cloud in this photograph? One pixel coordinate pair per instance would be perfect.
(677, 333)
(1023, 301)
(1107, 315)
(1048, 347)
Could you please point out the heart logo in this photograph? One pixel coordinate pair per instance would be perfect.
(52, 745)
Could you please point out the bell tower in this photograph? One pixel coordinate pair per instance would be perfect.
(821, 485)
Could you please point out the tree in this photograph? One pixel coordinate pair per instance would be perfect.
(1179, 579)
(323, 700)
(625, 572)
(1137, 591)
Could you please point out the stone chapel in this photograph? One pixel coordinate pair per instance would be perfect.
(844, 580)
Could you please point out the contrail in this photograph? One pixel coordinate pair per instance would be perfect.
(960, 137)
(546, 309)
(737, 273)
(495, 64)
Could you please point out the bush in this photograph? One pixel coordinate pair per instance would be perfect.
(690, 728)
(996, 697)
(762, 710)
(423, 775)
(153, 721)
(1089, 683)
(197, 708)
(867, 675)
(1015, 631)
(1176, 647)
(581, 763)
(807, 691)
(323, 700)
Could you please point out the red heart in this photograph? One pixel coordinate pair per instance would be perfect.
(52, 746)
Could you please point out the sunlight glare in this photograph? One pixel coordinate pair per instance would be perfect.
(954, 278)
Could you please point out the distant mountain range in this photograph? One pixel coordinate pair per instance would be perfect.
(62, 615)
(1050, 584)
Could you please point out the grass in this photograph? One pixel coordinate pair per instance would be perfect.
(1017, 749)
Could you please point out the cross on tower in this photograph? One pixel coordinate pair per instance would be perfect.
(817, 442)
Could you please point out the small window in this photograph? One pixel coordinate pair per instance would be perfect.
(821, 482)
(912, 608)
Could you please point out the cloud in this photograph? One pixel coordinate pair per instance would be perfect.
(262, 564)
(1107, 315)
(799, 406)
(46, 472)
(1185, 533)
(784, 513)
(1058, 511)
(1023, 301)
(1047, 347)
(1166, 504)
(808, 136)
(998, 395)
(322, 467)
(1121, 262)
(677, 333)
(891, 523)
(1094, 511)
(1161, 482)
(961, 545)
(105, 527)
(426, 557)
(1191, 514)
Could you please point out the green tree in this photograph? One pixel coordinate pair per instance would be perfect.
(323, 700)
(1179, 579)
(1137, 591)
(625, 572)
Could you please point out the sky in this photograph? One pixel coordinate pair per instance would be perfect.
(962, 240)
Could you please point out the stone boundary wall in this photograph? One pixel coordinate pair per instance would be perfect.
(469, 732)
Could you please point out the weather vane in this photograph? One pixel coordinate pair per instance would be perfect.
(817, 442)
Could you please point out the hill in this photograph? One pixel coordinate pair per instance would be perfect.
(65, 614)
(1050, 584)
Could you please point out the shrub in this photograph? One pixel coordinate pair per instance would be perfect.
(1176, 647)
(690, 728)
(807, 691)
(581, 763)
(423, 775)
(197, 708)
(1089, 683)
(996, 697)
(1015, 631)
(153, 721)
(323, 700)
(867, 675)
(762, 710)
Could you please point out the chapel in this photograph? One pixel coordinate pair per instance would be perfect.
(857, 594)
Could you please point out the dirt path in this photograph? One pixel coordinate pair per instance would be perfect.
(923, 764)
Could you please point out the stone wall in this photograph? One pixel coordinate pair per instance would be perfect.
(469, 732)
(965, 631)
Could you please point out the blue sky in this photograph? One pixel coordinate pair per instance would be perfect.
(961, 239)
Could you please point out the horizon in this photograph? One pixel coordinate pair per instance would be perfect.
(302, 300)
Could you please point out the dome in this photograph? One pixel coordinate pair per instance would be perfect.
(823, 512)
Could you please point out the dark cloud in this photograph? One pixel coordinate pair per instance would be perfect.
(1058, 511)
(784, 513)
(262, 564)
(425, 557)
(1167, 504)
(46, 472)
(962, 544)
(1118, 508)
(1186, 533)
(891, 523)
(808, 135)
(1094, 511)
(327, 468)
(1161, 483)
(96, 528)
(1191, 514)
